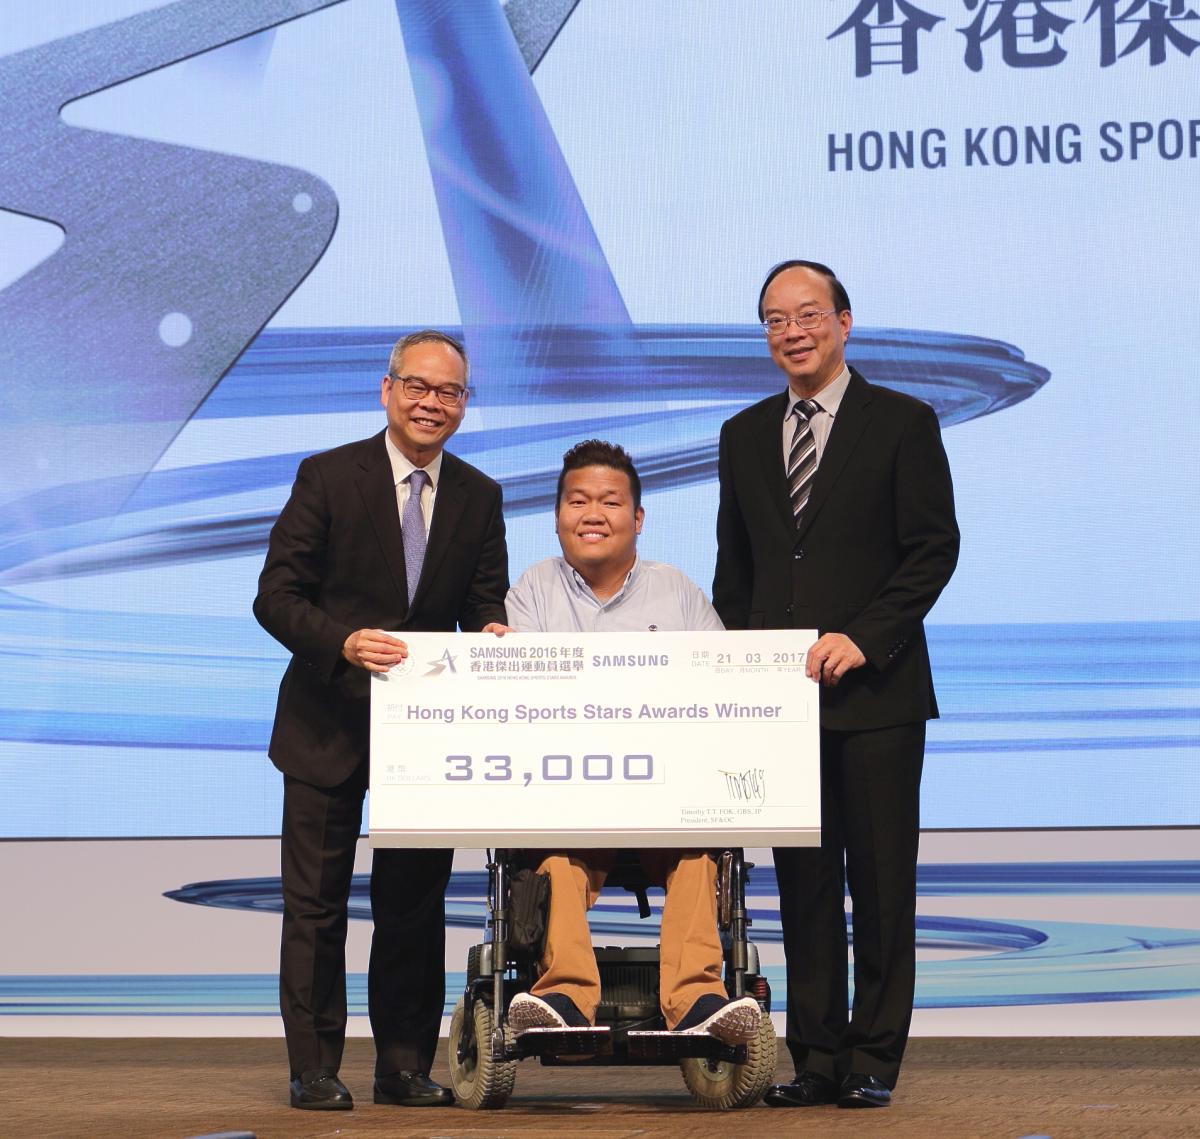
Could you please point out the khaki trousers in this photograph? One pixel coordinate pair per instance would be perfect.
(690, 948)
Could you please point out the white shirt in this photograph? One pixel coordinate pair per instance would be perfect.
(402, 468)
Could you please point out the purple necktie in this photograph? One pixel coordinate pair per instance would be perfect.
(412, 531)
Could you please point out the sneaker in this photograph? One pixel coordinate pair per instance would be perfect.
(554, 1010)
(731, 1022)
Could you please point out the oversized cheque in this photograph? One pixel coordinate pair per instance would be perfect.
(600, 739)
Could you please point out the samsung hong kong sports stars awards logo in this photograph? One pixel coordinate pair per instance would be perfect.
(440, 664)
(437, 666)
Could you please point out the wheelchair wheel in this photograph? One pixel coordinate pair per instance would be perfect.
(478, 1081)
(719, 1085)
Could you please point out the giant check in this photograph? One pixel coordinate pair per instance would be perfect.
(596, 739)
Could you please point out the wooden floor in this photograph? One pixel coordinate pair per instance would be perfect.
(1003, 1088)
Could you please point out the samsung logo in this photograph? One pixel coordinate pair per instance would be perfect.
(631, 660)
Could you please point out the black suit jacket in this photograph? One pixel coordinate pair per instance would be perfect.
(335, 563)
(877, 543)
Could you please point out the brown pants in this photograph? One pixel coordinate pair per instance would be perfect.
(690, 949)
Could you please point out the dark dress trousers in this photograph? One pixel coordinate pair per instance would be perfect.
(876, 545)
(335, 564)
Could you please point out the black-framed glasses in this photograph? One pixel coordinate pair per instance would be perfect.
(777, 325)
(449, 395)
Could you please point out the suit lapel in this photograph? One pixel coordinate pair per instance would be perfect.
(449, 505)
(848, 425)
(378, 490)
(770, 455)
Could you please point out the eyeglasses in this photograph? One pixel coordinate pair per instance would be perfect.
(449, 395)
(777, 325)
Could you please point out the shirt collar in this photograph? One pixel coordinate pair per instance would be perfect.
(402, 467)
(583, 587)
(829, 397)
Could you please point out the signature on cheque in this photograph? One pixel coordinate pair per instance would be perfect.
(749, 786)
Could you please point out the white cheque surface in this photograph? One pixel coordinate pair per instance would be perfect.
(597, 739)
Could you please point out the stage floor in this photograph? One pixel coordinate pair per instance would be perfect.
(1059, 1087)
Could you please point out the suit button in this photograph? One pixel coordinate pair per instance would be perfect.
(788, 610)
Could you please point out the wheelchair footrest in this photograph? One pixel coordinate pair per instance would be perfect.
(682, 1046)
(564, 1042)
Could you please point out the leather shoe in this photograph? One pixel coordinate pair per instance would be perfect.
(864, 1091)
(808, 1089)
(320, 1090)
(411, 1089)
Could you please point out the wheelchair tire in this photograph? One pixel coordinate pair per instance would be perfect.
(720, 1085)
(478, 1082)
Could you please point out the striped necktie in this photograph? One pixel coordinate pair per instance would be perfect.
(802, 457)
(412, 531)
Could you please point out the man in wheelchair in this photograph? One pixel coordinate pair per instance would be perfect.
(599, 584)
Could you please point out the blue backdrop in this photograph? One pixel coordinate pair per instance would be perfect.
(216, 218)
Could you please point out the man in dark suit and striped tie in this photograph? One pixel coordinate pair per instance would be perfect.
(837, 513)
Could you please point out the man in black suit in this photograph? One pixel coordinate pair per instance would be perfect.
(389, 533)
(837, 513)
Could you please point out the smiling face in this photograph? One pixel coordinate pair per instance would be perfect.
(420, 427)
(597, 523)
(809, 357)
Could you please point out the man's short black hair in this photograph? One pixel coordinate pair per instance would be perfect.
(598, 453)
(425, 336)
(841, 299)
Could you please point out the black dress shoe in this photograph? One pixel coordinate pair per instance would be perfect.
(808, 1089)
(320, 1090)
(411, 1089)
(864, 1091)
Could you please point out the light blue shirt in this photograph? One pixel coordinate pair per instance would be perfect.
(552, 598)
